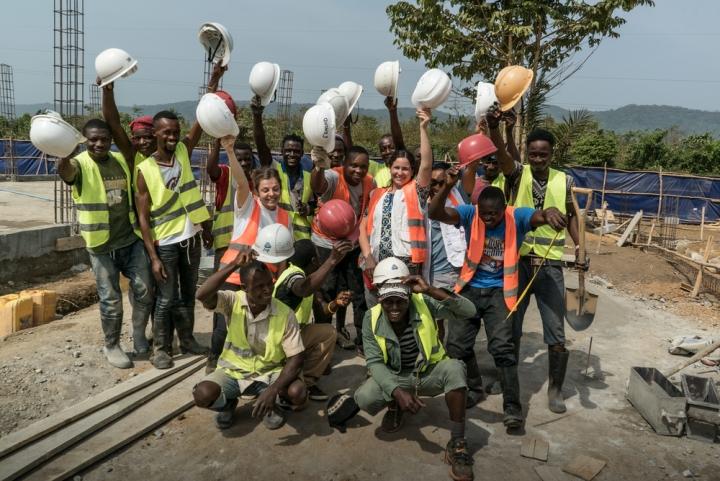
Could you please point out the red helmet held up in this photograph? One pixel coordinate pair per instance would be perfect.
(475, 147)
(336, 219)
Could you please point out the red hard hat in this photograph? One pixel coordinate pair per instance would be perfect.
(228, 101)
(336, 219)
(475, 147)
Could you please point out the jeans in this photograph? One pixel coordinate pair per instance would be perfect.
(132, 262)
(549, 290)
(219, 322)
(490, 305)
(177, 292)
(346, 275)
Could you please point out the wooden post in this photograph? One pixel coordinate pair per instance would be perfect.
(702, 222)
(698, 279)
(652, 228)
(603, 206)
(660, 197)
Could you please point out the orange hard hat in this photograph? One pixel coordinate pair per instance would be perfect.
(336, 219)
(510, 85)
(475, 147)
(228, 101)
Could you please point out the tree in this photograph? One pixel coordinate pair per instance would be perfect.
(595, 148)
(646, 150)
(699, 154)
(477, 38)
(574, 125)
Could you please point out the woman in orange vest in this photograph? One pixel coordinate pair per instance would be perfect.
(489, 278)
(394, 225)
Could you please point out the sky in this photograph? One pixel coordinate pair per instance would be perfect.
(666, 54)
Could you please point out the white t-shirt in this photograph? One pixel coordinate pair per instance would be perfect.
(242, 215)
(171, 177)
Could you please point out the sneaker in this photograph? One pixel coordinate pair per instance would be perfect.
(392, 421)
(460, 461)
(161, 360)
(117, 357)
(253, 391)
(317, 394)
(224, 418)
(344, 340)
(275, 419)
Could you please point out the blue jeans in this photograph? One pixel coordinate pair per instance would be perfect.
(176, 295)
(132, 262)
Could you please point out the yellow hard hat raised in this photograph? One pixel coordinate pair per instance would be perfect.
(510, 85)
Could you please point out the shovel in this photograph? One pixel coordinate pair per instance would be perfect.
(580, 304)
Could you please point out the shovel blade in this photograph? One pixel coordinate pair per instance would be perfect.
(580, 309)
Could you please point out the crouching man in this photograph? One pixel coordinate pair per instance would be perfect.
(406, 359)
(263, 350)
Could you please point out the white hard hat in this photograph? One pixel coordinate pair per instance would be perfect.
(113, 63)
(319, 126)
(215, 117)
(53, 136)
(432, 89)
(386, 78)
(339, 104)
(264, 79)
(273, 244)
(485, 99)
(217, 42)
(390, 269)
(352, 91)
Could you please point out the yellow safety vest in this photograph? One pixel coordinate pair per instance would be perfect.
(541, 239)
(301, 224)
(237, 359)
(431, 349)
(169, 207)
(304, 309)
(223, 218)
(381, 175)
(92, 206)
(138, 160)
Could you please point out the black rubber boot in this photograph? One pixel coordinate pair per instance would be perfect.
(162, 344)
(184, 324)
(512, 409)
(557, 366)
(475, 392)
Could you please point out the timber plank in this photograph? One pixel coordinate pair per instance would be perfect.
(630, 228)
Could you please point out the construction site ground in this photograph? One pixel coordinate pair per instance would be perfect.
(48, 368)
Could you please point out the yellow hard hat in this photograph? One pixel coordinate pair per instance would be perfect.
(510, 85)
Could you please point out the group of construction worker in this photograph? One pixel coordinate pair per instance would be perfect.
(436, 249)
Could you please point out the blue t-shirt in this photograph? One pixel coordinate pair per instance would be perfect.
(490, 271)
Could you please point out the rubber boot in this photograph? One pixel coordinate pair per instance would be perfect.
(475, 392)
(139, 323)
(112, 350)
(557, 366)
(162, 344)
(184, 318)
(512, 409)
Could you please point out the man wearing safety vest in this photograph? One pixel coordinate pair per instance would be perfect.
(352, 184)
(387, 145)
(263, 351)
(101, 189)
(406, 359)
(295, 288)
(539, 186)
(171, 211)
(489, 278)
(296, 195)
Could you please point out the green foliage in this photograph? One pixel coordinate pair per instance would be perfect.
(699, 154)
(646, 150)
(572, 127)
(595, 148)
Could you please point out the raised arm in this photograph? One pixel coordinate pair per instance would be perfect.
(426, 158)
(314, 281)
(193, 137)
(469, 177)
(238, 174)
(212, 168)
(66, 169)
(321, 161)
(207, 292)
(437, 210)
(347, 133)
(395, 130)
(112, 117)
(263, 150)
(507, 164)
(510, 119)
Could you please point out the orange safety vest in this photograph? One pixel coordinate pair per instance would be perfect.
(510, 256)
(342, 192)
(247, 238)
(416, 221)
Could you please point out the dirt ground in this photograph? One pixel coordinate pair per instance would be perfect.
(47, 368)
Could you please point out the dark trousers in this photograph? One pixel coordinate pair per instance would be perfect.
(219, 323)
(491, 308)
(177, 293)
(345, 276)
(549, 290)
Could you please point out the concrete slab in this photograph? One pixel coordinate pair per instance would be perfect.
(26, 204)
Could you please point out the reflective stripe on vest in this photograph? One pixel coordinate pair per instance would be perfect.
(510, 256)
(304, 309)
(342, 192)
(426, 335)
(540, 239)
(92, 206)
(237, 359)
(301, 223)
(415, 220)
(247, 238)
(169, 207)
(223, 218)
